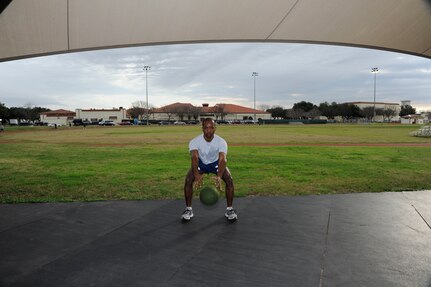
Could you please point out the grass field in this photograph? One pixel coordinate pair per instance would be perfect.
(40, 164)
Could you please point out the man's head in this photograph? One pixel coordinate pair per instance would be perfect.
(208, 127)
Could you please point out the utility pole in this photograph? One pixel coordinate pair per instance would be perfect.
(254, 75)
(146, 68)
(374, 70)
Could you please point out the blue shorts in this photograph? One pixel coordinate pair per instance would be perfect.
(208, 168)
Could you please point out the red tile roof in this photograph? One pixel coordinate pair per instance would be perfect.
(226, 108)
(59, 113)
(236, 109)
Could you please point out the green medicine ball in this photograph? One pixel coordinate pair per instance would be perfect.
(208, 195)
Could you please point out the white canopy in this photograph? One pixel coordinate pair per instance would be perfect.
(39, 27)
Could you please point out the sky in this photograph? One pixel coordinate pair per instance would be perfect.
(216, 73)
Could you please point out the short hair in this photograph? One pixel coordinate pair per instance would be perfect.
(207, 120)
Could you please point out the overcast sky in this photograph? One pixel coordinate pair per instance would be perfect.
(216, 73)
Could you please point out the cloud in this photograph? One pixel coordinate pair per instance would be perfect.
(215, 73)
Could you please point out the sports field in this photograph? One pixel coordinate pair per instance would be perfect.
(41, 164)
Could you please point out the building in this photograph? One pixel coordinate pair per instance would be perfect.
(59, 117)
(414, 119)
(380, 105)
(188, 112)
(97, 115)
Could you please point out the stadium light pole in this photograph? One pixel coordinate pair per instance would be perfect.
(254, 75)
(146, 68)
(374, 71)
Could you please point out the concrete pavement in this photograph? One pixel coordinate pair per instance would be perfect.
(381, 239)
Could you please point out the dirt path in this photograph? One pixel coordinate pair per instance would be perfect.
(270, 144)
(339, 144)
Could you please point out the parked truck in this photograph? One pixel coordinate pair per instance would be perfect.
(13, 122)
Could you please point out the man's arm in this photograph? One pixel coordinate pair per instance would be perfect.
(221, 168)
(195, 163)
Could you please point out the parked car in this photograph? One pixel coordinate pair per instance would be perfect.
(78, 122)
(25, 123)
(223, 122)
(38, 123)
(107, 123)
(126, 123)
(179, 123)
(162, 123)
(54, 125)
(144, 123)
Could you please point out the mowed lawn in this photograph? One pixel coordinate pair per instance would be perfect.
(41, 164)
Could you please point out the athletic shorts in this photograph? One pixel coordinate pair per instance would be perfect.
(208, 168)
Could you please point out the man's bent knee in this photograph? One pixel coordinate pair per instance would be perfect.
(190, 177)
(227, 177)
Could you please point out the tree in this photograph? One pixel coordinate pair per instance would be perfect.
(407, 110)
(305, 106)
(36, 111)
(220, 110)
(328, 110)
(264, 107)
(139, 109)
(181, 111)
(136, 112)
(348, 111)
(16, 113)
(388, 113)
(294, 113)
(26, 110)
(313, 113)
(168, 111)
(277, 112)
(379, 112)
(368, 112)
(4, 112)
(195, 112)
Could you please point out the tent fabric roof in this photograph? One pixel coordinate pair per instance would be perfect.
(41, 27)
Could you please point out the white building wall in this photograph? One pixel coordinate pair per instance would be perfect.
(96, 115)
(174, 117)
(247, 115)
(164, 117)
(413, 120)
(384, 106)
(62, 120)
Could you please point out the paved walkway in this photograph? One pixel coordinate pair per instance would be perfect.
(329, 240)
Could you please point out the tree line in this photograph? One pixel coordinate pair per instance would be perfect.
(27, 112)
(300, 110)
(307, 110)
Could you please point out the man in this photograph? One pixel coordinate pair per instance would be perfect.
(208, 155)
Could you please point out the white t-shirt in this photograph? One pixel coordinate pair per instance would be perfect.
(208, 151)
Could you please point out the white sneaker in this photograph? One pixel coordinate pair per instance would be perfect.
(231, 214)
(187, 214)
